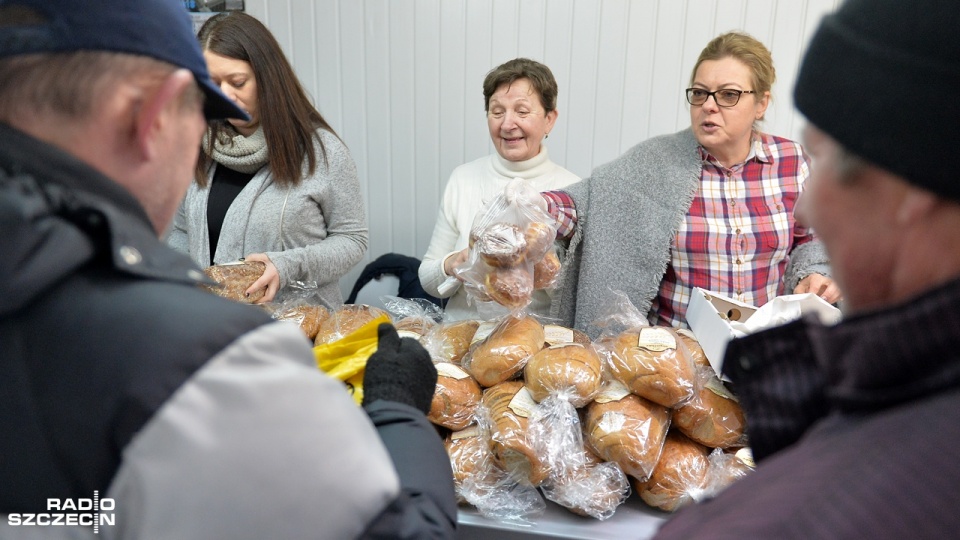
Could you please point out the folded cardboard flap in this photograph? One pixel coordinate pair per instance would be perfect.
(716, 319)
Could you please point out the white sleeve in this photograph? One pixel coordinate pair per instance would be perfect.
(257, 444)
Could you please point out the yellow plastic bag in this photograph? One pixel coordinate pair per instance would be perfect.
(346, 358)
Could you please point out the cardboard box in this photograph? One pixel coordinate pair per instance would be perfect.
(716, 319)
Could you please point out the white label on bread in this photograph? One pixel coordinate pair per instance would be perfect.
(562, 345)
(656, 339)
(471, 431)
(522, 403)
(611, 422)
(612, 391)
(746, 456)
(409, 333)
(484, 330)
(446, 369)
(555, 335)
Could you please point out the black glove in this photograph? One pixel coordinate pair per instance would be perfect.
(401, 370)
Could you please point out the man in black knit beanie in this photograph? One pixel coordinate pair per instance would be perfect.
(853, 426)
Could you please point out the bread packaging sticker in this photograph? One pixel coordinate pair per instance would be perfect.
(471, 431)
(409, 333)
(555, 335)
(446, 369)
(612, 391)
(522, 403)
(657, 339)
(562, 345)
(746, 456)
(611, 422)
(485, 329)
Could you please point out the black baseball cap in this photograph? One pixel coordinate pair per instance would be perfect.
(160, 29)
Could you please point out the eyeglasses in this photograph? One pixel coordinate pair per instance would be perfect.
(726, 97)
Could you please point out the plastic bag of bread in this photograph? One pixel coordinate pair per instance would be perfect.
(572, 371)
(301, 305)
(626, 429)
(504, 413)
(346, 319)
(450, 341)
(694, 350)
(501, 348)
(713, 417)
(726, 468)
(652, 363)
(512, 249)
(594, 490)
(234, 279)
(456, 398)
(470, 456)
(412, 317)
(679, 476)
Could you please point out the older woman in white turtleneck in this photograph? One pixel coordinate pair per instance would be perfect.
(521, 103)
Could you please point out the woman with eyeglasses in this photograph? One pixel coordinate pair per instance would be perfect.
(710, 206)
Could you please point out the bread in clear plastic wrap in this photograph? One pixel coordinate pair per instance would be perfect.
(308, 316)
(412, 317)
(456, 397)
(506, 407)
(713, 417)
(679, 476)
(469, 456)
(450, 341)
(652, 364)
(572, 369)
(546, 270)
(694, 350)
(234, 280)
(594, 490)
(726, 468)
(504, 352)
(346, 320)
(627, 429)
(509, 237)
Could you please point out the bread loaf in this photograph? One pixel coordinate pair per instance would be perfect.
(501, 245)
(235, 279)
(713, 417)
(450, 341)
(308, 316)
(414, 326)
(694, 350)
(629, 431)
(650, 363)
(469, 456)
(509, 406)
(456, 398)
(539, 237)
(570, 369)
(679, 475)
(504, 352)
(345, 321)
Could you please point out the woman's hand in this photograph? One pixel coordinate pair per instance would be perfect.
(453, 261)
(270, 280)
(821, 286)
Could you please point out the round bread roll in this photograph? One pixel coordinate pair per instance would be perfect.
(546, 270)
(455, 399)
(713, 417)
(649, 362)
(414, 326)
(511, 447)
(501, 245)
(308, 316)
(450, 341)
(346, 320)
(504, 352)
(539, 237)
(235, 279)
(469, 455)
(629, 432)
(570, 369)
(694, 350)
(679, 475)
(510, 287)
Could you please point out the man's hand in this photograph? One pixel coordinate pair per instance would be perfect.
(401, 370)
(821, 286)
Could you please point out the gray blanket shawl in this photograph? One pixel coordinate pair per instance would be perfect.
(628, 213)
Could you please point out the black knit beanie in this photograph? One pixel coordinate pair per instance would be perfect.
(882, 77)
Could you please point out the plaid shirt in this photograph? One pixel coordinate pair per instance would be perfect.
(736, 237)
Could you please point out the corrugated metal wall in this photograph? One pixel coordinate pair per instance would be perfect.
(400, 80)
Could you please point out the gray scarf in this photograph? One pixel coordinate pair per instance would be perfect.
(240, 153)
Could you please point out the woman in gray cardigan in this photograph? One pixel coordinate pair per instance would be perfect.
(281, 188)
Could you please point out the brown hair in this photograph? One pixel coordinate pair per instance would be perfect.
(288, 118)
(539, 75)
(746, 49)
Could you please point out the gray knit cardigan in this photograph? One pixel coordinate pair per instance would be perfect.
(628, 213)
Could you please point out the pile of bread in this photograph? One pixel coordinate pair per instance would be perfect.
(645, 399)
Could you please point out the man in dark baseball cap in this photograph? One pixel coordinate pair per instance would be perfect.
(852, 426)
(133, 404)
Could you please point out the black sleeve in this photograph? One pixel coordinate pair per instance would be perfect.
(426, 506)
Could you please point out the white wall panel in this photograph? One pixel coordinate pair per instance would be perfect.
(401, 81)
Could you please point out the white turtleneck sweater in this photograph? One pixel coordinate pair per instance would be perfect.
(470, 186)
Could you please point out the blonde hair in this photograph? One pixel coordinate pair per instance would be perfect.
(746, 49)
